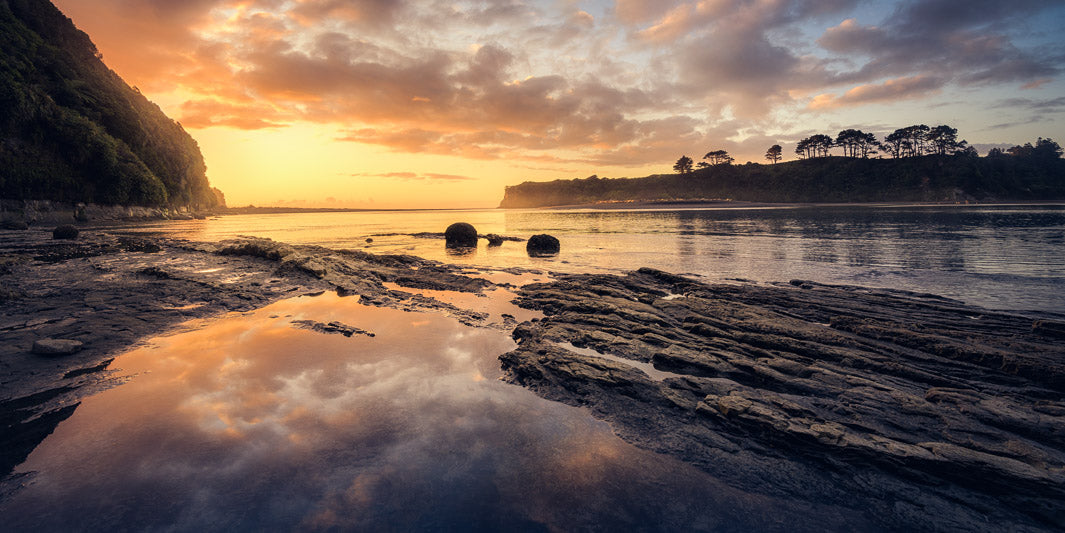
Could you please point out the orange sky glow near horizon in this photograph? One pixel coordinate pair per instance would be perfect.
(441, 104)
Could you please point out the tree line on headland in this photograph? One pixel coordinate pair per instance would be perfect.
(911, 141)
(71, 130)
(912, 164)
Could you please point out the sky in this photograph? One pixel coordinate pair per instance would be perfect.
(441, 104)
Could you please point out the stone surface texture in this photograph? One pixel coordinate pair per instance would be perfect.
(922, 412)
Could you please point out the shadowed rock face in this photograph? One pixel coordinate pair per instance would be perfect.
(921, 411)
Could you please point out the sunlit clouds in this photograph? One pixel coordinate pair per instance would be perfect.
(502, 91)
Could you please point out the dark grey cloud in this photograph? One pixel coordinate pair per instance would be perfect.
(969, 42)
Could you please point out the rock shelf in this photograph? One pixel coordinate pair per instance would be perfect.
(923, 412)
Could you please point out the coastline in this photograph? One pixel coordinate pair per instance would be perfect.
(731, 204)
(789, 389)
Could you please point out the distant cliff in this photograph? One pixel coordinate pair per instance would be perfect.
(72, 131)
(930, 178)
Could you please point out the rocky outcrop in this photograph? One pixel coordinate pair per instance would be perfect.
(924, 413)
(333, 327)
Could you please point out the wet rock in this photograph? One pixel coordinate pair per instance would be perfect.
(14, 225)
(331, 327)
(542, 244)
(494, 240)
(460, 235)
(876, 400)
(66, 231)
(56, 346)
(369, 240)
(1049, 328)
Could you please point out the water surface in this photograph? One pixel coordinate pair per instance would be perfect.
(249, 424)
(1004, 257)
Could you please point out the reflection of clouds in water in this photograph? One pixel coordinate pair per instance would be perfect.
(286, 428)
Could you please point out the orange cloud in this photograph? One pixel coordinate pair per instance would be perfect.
(889, 91)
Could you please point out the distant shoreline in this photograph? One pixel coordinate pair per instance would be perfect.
(730, 204)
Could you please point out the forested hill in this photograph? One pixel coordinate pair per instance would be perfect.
(71, 130)
(930, 178)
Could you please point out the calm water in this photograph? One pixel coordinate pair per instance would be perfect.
(249, 424)
(1003, 257)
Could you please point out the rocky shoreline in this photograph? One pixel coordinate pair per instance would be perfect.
(923, 412)
(920, 412)
(105, 293)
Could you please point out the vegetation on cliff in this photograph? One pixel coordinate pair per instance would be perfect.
(72, 130)
(926, 178)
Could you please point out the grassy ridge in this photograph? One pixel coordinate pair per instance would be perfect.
(932, 178)
(72, 130)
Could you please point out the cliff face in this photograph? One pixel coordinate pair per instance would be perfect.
(828, 179)
(72, 130)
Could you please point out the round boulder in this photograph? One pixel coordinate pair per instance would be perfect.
(66, 231)
(542, 244)
(461, 235)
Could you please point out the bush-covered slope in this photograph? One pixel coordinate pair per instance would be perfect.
(71, 130)
(829, 179)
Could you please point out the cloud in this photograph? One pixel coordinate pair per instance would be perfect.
(534, 81)
(889, 91)
(1051, 105)
(969, 45)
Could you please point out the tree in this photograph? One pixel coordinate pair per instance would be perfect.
(814, 146)
(821, 144)
(719, 157)
(896, 143)
(1046, 149)
(702, 164)
(773, 153)
(1021, 151)
(857, 143)
(944, 140)
(683, 165)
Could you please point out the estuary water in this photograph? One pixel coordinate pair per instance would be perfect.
(1001, 257)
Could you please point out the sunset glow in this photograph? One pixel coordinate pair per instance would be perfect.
(403, 104)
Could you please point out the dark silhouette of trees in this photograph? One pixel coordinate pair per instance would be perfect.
(910, 141)
(702, 165)
(1046, 149)
(857, 143)
(943, 140)
(683, 165)
(814, 146)
(719, 157)
(773, 153)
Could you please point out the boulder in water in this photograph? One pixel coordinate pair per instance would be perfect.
(461, 235)
(542, 244)
(66, 231)
(494, 239)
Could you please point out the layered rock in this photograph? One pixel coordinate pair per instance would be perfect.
(921, 411)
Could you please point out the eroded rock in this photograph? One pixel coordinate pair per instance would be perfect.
(872, 399)
(56, 346)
